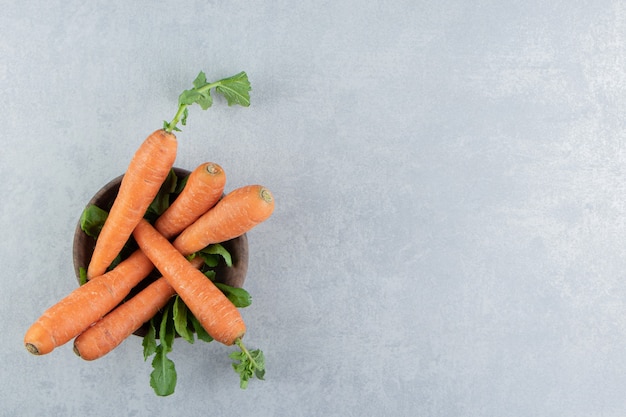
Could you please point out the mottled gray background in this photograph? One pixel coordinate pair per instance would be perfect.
(450, 181)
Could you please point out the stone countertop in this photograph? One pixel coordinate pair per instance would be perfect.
(449, 181)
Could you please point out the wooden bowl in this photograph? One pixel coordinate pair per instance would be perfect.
(83, 245)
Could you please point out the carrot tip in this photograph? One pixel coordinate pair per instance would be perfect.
(212, 169)
(32, 348)
(266, 195)
(76, 351)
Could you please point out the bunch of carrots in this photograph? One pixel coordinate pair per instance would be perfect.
(99, 314)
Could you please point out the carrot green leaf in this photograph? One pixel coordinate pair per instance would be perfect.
(197, 327)
(92, 219)
(149, 341)
(236, 90)
(166, 330)
(181, 320)
(162, 200)
(238, 296)
(180, 184)
(82, 276)
(248, 364)
(210, 274)
(163, 376)
(200, 81)
(213, 253)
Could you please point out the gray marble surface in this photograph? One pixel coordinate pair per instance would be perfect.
(450, 181)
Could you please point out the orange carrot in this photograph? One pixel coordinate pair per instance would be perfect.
(235, 214)
(146, 173)
(86, 304)
(216, 313)
(107, 333)
(204, 188)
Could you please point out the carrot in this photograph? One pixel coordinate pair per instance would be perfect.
(107, 333)
(235, 214)
(86, 304)
(204, 188)
(146, 172)
(216, 313)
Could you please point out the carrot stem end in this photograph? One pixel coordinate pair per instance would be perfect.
(32, 348)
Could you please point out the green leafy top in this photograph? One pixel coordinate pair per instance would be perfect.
(92, 220)
(248, 363)
(235, 89)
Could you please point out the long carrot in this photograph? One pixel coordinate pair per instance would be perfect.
(235, 214)
(107, 333)
(146, 172)
(86, 304)
(216, 313)
(204, 188)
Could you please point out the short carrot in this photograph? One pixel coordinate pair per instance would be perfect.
(86, 304)
(235, 214)
(146, 172)
(216, 313)
(203, 189)
(107, 333)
